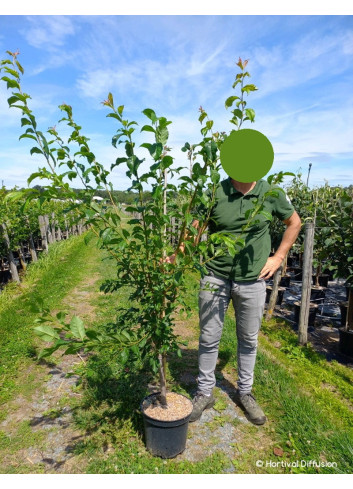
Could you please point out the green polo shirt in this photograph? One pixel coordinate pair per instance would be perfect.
(228, 215)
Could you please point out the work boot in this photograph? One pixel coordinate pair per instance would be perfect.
(254, 413)
(200, 403)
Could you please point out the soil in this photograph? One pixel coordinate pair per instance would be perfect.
(178, 407)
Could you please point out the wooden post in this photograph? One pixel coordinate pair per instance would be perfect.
(274, 293)
(53, 226)
(43, 233)
(59, 234)
(13, 267)
(47, 229)
(306, 282)
(32, 248)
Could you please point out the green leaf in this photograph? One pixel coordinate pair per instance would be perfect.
(237, 113)
(12, 100)
(150, 114)
(36, 150)
(266, 214)
(46, 333)
(230, 100)
(148, 128)
(162, 135)
(29, 136)
(77, 328)
(11, 83)
(61, 315)
(202, 116)
(249, 88)
(251, 114)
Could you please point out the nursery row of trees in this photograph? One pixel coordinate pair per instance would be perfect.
(331, 209)
(27, 228)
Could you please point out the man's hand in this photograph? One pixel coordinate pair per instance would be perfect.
(273, 263)
(170, 258)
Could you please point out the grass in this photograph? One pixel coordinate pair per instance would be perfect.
(306, 418)
(306, 398)
(50, 279)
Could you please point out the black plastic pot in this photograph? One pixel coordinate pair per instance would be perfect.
(346, 342)
(297, 273)
(281, 291)
(285, 281)
(323, 280)
(344, 308)
(312, 313)
(290, 261)
(317, 294)
(165, 439)
(5, 276)
(328, 272)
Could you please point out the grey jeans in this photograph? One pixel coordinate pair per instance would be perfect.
(248, 301)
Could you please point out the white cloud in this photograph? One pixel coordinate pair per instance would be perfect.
(48, 32)
(312, 56)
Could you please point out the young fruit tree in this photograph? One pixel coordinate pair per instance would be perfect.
(139, 248)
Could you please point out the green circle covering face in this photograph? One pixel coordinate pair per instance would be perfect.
(246, 155)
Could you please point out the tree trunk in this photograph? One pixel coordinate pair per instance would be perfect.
(162, 379)
(284, 268)
(13, 267)
(318, 272)
(21, 258)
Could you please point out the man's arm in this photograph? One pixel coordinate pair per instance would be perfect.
(293, 224)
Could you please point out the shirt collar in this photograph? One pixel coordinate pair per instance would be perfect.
(232, 190)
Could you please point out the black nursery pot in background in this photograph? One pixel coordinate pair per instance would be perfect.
(323, 280)
(344, 308)
(346, 342)
(285, 281)
(312, 313)
(281, 291)
(297, 273)
(317, 294)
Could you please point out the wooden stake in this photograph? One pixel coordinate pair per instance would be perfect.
(306, 282)
(43, 233)
(47, 229)
(13, 267)
(274, 293)
(53, 226)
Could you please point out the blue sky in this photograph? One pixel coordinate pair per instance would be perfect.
(302, 65)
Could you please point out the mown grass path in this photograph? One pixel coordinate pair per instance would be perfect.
(90, 422)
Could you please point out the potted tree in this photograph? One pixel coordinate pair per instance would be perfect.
(140, 249)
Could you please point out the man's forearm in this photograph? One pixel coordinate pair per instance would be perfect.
(289, 237)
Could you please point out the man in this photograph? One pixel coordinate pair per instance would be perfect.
(242, 280)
